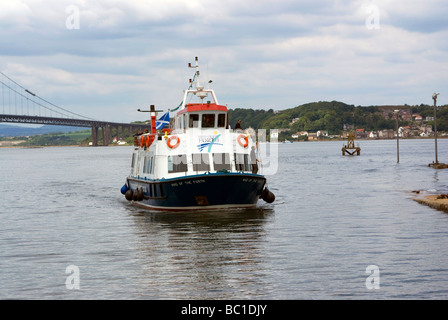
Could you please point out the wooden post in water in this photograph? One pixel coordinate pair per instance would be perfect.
(434, 97)
(436, 164)
(398, 138)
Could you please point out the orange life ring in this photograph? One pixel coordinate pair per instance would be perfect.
(244, 145)
(172, 146)
(149, 140)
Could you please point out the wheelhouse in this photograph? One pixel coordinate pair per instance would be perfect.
(201, 116)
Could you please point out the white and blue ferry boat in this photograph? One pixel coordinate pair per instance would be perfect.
(198, 163)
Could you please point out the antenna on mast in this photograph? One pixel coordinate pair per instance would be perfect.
(196, 66)
(199, 89)
(196, 89)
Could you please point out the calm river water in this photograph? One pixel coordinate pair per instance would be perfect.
(66, 231)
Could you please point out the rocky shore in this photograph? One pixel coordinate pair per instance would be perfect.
(438, 165)
(439, 202)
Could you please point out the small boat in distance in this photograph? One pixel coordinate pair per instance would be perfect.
(196, 164)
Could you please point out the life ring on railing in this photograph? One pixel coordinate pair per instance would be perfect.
(149, 140)
(246, 140)
(170, 145)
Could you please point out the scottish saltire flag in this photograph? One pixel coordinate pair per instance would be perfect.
(164, 121)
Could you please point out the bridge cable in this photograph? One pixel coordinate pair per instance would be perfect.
(33, 94)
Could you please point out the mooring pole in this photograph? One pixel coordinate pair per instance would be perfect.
(434, 97)
(398, 144)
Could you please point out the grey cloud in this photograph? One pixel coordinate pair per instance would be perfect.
(275, 53)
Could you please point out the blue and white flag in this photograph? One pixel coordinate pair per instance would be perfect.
(164, 121)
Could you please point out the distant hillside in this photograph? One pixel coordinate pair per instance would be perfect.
(7, 130)
(331, 116)
(249, 117)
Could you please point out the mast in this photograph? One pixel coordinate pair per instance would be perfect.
(153, 112)
(153, 119)
(197, 89)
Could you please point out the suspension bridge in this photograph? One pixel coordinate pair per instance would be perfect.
(20, 105)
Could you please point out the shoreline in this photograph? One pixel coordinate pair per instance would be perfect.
(294, 141)
(56, 146)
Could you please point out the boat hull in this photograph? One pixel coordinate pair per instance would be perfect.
(198, 192)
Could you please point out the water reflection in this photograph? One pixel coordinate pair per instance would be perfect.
(222, 252)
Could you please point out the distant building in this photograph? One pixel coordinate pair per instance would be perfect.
(312, 136)
(424, 130)
(360, 133)
(417, 117)
(386, 134)
(294, 120)
(406, 115)
(321, 133)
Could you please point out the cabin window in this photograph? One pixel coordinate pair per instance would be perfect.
(193, 121)
(201, 162)
(208, 120)
(133, 161)
(221, 120)
(242, 162)
(179, 122)
(221, 161)
(151, 170)
(177, 163)
(147, 165)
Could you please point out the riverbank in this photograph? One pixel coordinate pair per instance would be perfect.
(439, 202)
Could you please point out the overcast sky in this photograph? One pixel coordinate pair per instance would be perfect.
(106, 58)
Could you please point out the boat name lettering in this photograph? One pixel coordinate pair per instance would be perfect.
(208, 139)
(180, 183)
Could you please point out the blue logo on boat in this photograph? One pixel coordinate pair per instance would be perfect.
(210, 144)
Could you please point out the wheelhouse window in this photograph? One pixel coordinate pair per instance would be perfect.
(177, 163)
(208, 120)
(201, 162)
(221, 120)
(221, 161)
(193, 121)
(242, 162)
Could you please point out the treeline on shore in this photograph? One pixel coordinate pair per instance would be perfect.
(332, 116)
